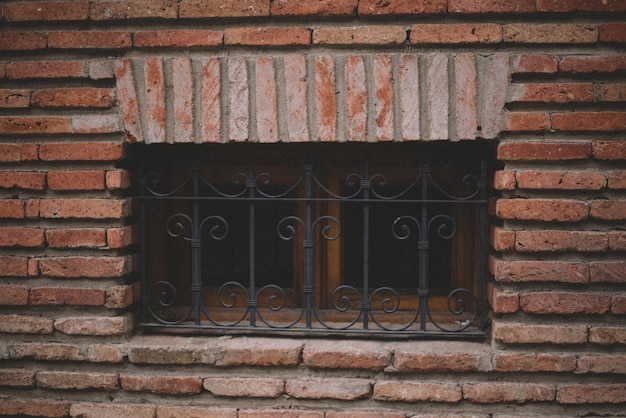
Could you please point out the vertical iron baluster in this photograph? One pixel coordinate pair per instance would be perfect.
(251, 184)
(143, 239)
(366, 306)
(482, 186)
(423, 245)
(196, 244)
(308, 246)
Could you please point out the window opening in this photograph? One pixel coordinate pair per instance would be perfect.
(385, 240)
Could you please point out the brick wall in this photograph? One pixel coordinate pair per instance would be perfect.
(79, 80)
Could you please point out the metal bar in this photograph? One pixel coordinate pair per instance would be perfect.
(423, 246)
(251, 185)
(365, 185)
(308, 247)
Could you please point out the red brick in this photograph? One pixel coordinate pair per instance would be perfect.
(168, 385)
(316, 8)
(564, 303)
(540, 271)
(491, 6)
(547, 210)
(59, 296)
(128, 101)
(261, 352)
(438, 93)
(494, 95)
(171, 350)
(76, 180)
(102, 353)
(14, 98)
(17, 377)
(77, 380)
(13, 295)
(196, 412)
(34, 125)
(559, 240)
(108, 409)
(518, 333)
(551, 92)
(466, 96)
(12, 208)
(13, 266)
(459, 33)
(266, 100)
(607, 335)
(22, 41)
(21, 237)
(534, 64)
(595, 393)
(610, 92)
(45, 69)
(151, 9)
(602, 363)
(561, 180)
(121, 237)
(608, 210)
(612, 32)
(498, 392)
(504, 180)
(618, 305)
(74, 97)
(18, 152)
(580, 6)
(119, 297)
(366, 414)
(409, 95)
(541, 151)
(295, 84)
(22, 180)
(249, 387)
(609, 150)
(211, 100)
(177, 38)
(223, 8)
(267, 36)
(79, 39)
(89, 267)
(346, 355)
(328, 388)
(46, 11)
(617, 240)
(550, 33)
(589, 121)
(35, 407)
(608, 272)
(526, 122)
(356, 98)
(22, 324)
(46, 351)
(155, 100)
(84, 209)
(534, 362)
(278, 413)
(592, 64)
(437, 357)
(400, 7)
(360, 35)
(118, 179)
(501, 301)
(76, 238)
(95, 326)
(409, 391)
(383, 102)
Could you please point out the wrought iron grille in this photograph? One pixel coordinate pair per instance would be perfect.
(376, 241)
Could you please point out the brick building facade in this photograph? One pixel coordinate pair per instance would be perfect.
(83, 82)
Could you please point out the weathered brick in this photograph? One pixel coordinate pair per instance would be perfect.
(266, 100)
(18, 152)
(296, 100)
(526, 122)
(261, 352)
(580, 6)
(46, 351)
(14, 98)
(169, 350)
(547, 210)
(194, 412)
(249, 387)
(534, 362)
(317, 8)
(494, 95)
(59, 296)
(365, 414)
(118, 179)
(177, 38)
(121, 237)
(169, 385)
(22, 41)
(589, 121)
(501, 301)
(551, 92)
(400, 7)
(356, 98)
(610, 92)
(22, 180)
(35, 125)
(550, 33)
(21, 237)
(592, 393)
(80, 39)
(502, 239)
(17, 377)
(128, 100)
(152, 9)
(328, 388)
(102, 410)
(607, 335)
(45, 69)
(617, 240)
(13, 295)
(96, 326)
(602, 363)
(84, 208)
(223, 8)
(278, 413)
(558, 240)
(81, 151)
(119, 297)
(563, 180)
(612, 32)
(85, 97)
(409, 391)
(267, 36)
(592, 64)
(608, 272)
(345, 355)
(508, 392)
(383, 102)
(76, 180)
(76, 238)
(46, 11)
(92, 267)
(466, 96)
(609, 210)
(239, 95)
(22, 324)
(211, 99)
(534, 64)
(13, 266)
(518, 333)
(541, 151)
(459, 33)
(491, 6)
(35, 407)
(359, 35)
(609, 150)
(539, 271)
(564, 303)
(438, 102)
(102, 353)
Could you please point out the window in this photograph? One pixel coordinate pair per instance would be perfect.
(376, 239)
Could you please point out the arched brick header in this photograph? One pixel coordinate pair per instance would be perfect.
(300, 98)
